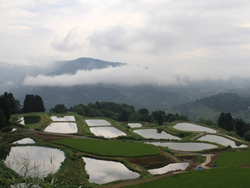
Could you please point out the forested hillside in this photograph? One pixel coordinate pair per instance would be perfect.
(210, 107)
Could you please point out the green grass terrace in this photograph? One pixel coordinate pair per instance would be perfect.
(109, 147)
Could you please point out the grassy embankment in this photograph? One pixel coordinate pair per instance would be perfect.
(216, 178)
(109, 147)
(234, 158)
(41, 125)
(228, 175)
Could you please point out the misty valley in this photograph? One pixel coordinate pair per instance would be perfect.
(121, 135)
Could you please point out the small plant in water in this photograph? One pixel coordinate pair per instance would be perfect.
(32, 173)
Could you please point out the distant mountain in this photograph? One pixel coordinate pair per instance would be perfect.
(84, 63)
(211, 107)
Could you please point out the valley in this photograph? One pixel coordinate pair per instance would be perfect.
(139, 154)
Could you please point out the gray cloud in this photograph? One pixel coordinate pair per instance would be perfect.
(191, 39)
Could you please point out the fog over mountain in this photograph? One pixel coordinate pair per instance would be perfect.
(169, 52)
(87, 80)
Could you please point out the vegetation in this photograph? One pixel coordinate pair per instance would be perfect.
(8, 106)
(227, 159)
(59, 108)
(109, 147)
(33, 103)
(216, 178)
(226, 122)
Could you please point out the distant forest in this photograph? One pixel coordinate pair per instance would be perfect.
(119, 112)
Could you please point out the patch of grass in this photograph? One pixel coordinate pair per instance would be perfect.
(83, 128)
(233, 158)
(109, 147)
(216, 178)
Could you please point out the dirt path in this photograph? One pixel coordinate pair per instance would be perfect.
(199, 135)
(207, 161)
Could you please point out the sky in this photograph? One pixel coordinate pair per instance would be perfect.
(160, 40)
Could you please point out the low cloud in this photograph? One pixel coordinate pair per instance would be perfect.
(123, 75)
(130, 75)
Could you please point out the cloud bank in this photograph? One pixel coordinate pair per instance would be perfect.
(131, 75)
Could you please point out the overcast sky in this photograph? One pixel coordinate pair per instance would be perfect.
(187, 38)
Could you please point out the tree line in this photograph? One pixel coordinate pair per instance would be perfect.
(227, 122)
(9, 105)
(119, 112)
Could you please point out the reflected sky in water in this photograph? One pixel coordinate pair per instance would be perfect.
(36, 159)
(184, 146)
(193, 127)
(25, 141)
(101, 171)
(63, 118)
(97, 122)
(169, 167)
(220, 140)
(134, 125)
(108, 132)
(62, 127)
(153, 133)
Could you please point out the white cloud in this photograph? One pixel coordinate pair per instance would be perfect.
(182, 33)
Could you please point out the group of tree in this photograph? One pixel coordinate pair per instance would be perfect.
(124, 112)
(33, 103)
(227, 122)
(9, 105)
(59, 108)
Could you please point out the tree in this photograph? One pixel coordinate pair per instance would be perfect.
(123, 116)
(5, 107)
(143, 111)
(225, 121)
(28, 103)
(160, 119)
(59, 108)
(247, 135)
(240, 127)
(39, 106)
(15, 106)
(2, 119)
(33, 104)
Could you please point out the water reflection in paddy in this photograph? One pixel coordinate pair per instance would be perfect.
(34, 160)
(63, 118)
(101, 171)
(220, 140)
(170, 167)
(62, 127)
(184, 146)
(154, 133)
(97, 122)
(24, 120)
(193, 127)
(134, 125)
(110, 132)
(25, 141)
